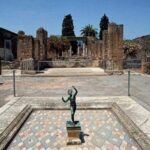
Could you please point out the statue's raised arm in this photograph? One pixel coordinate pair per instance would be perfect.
(65, 100)
(76, 92)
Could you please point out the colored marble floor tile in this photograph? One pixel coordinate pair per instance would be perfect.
(46, 129)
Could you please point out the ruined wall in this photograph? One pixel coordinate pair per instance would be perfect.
(99, 47)
(109, 50)
(29, 47)
(94, 48)
(36, 49)
(115, 46)
(25, 47)
(41, 35)
(105, 45)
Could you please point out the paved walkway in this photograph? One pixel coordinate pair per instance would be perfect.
(115, 85)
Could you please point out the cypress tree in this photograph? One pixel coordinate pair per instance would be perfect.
(103, 25)
(67, 26)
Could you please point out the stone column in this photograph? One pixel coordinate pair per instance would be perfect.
(24, 67)
(90, 54)
(29, 63)
(70, 51)
(83, 53)
(26, 64)
(86, 50)
(83, 49)
(78, 50)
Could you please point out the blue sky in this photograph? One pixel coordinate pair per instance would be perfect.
(28, 15)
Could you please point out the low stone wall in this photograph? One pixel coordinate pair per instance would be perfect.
(113, 67)
(28, 66)
(70, 63)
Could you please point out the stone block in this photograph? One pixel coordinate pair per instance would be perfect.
(74, 131)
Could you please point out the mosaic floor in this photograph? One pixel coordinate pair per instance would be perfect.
(45, 130)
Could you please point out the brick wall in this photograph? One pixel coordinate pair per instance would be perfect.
(109, 49)
(29, 47)
(25, 47)
(114, 45)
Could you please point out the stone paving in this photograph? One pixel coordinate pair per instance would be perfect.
(45, 130)
(136, 122)
(116, 85)
(41, 91)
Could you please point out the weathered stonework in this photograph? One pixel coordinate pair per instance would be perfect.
(108, 51)
(25, 47)
(41, 35)
(145, 67)
(112, 51)
(29, 47)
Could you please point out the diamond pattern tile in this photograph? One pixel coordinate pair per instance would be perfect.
(45, 129)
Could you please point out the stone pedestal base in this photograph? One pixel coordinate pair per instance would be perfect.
(74, 131)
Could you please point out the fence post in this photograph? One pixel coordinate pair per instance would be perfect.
(129, 83)
(14, 84)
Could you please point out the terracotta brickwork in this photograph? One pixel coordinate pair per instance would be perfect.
(41, 35)
(29, 47)
(105, 45)
(115, 45)
(25, 47)
(108, 50)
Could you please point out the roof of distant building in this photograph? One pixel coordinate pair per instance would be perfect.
(5, 30)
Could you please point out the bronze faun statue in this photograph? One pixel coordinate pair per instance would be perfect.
(72, 99)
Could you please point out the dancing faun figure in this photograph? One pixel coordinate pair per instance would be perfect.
(72, 99)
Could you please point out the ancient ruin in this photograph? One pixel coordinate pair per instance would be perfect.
(107, 53)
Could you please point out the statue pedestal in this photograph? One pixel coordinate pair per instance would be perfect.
(74, 132)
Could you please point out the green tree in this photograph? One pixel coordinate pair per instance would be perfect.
(67, 26)
(58, 43)
(88, 30)
(103, 25)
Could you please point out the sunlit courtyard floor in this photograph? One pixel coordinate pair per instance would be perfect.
(46, 129)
